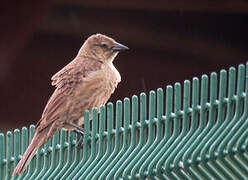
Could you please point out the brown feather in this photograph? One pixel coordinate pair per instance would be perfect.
(86, 82)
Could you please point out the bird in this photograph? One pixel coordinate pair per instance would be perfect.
(86, 82)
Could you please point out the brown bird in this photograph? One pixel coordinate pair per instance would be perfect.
(86, 82)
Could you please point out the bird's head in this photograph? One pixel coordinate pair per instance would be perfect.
(101, 47)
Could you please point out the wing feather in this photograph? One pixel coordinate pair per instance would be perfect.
(66, 81)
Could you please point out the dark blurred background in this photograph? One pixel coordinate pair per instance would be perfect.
(170, 41)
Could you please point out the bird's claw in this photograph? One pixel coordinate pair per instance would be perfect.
(80, 143)
(79, 131)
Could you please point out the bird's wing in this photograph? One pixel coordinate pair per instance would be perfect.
(65, 81)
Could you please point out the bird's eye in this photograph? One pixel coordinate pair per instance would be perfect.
(104, 46)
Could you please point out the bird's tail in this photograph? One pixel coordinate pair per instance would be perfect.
(38, 140)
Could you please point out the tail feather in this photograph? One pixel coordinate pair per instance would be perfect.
(38, 140)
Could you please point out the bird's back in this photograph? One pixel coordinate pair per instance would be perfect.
(81, 85)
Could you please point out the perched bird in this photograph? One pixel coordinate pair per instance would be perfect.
(86, 82)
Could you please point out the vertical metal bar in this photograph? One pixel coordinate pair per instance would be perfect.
(169, 102)
(126, 123)
(86, 136)
(94, 134)
(177, 109)
(102, 131)
(9, 150)
(186, 106)
(118, 129)
(160, 111)
(16, 149)
(2, 154)
(143, 117)
(168, 127)
(24, 145)
(31, 166)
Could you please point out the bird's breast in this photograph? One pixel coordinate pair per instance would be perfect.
(115, 72)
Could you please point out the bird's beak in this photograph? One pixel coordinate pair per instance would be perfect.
(119, 47)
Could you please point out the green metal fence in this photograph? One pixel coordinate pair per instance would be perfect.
(198, 131)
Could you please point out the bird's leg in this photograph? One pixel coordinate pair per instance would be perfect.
(80, 143)
(79, 130)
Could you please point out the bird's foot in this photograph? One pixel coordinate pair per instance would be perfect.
(79, 131)
(80, 143)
